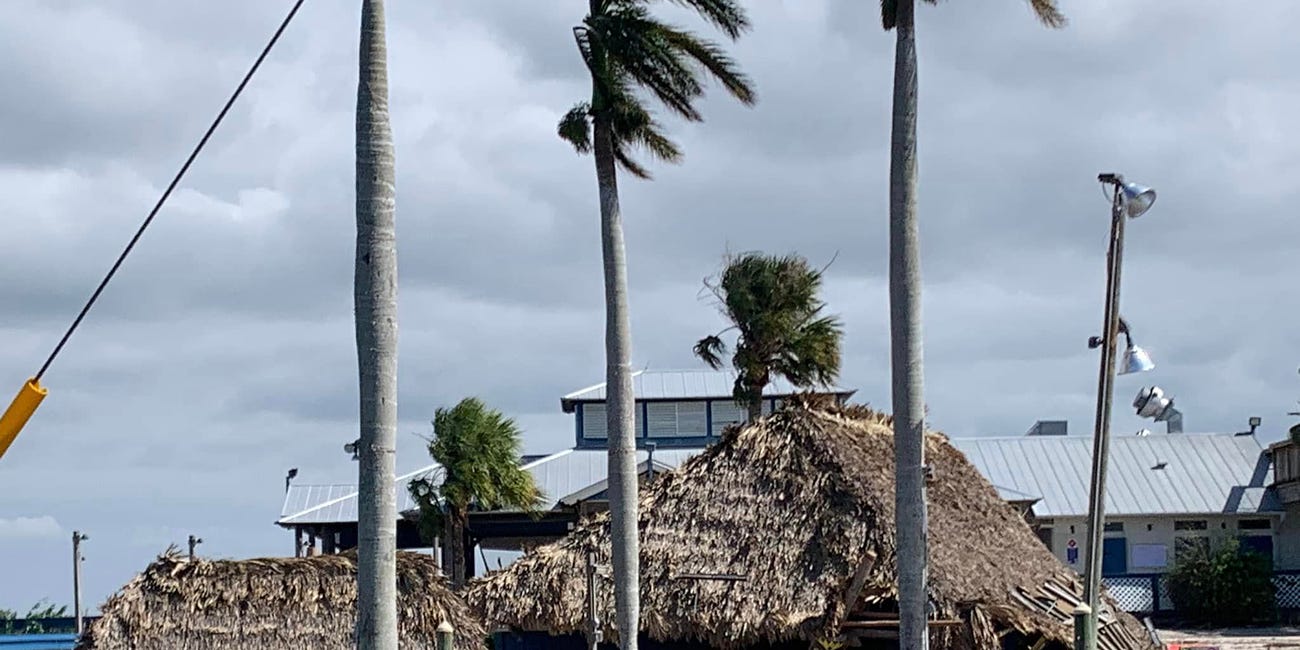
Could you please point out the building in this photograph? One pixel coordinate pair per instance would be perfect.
(678, 414)
(1166, 494)
(781, 537)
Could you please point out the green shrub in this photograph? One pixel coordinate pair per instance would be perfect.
(1226, 587)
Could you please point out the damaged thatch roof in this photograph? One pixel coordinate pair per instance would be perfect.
(177, 604)
(802, 503)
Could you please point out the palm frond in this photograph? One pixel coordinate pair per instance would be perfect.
(632, 40)
(889, 12)
(1049, 13)
(710, 350)
(713, 58)
(575, 127)
(635, 126)
(727, 15)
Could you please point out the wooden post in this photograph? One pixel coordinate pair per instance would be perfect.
(446, 635)
(77, 538)
(593, 616)
(297, 542)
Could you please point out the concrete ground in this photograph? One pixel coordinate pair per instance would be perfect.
(1280, 638)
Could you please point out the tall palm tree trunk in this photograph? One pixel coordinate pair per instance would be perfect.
(905, 339)
(376, 324)
(621, 422)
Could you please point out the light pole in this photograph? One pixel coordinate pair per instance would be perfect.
(289, 476)
(1128, 201)
(77, 539)
(194, 541)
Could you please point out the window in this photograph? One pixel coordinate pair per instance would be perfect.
(677, 419)
(1191, 524)
(594, 422)
(726, 412)
(1113, 527)
(1045, 536)
(692, 419)
(1254, 524)
(1188, 548)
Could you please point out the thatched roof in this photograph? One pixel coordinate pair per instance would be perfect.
(802, 503)
(177, 604)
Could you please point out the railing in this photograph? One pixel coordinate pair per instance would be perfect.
(1147, 593)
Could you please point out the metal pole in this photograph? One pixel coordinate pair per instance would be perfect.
(194, 541)
(1101, 432)
(77, 537)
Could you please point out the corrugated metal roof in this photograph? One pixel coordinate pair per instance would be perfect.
(573, 470)
(333, 504)
(688, 384)
(1202, 474)
(558, 475)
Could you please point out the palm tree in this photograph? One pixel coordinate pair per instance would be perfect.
(772, 303)
(478, 449)
(627, 49)
(375, 295)
(905, 319)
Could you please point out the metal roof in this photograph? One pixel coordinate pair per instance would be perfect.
(688, 384)
(332, 504)
(560, 475)
(1202, 474)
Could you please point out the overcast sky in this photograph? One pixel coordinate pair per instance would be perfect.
(223, 353)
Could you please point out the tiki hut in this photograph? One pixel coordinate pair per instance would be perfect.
(781, 535)
(178, 604)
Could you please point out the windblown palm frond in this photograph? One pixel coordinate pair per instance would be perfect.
(627, 50)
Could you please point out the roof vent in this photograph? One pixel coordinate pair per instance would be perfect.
(1049, 428)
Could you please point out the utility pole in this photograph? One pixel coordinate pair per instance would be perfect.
(194, 541)
(77, 539)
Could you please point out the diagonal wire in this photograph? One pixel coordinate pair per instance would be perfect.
(170, 187)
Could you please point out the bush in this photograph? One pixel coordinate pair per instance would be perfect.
(1226, 587)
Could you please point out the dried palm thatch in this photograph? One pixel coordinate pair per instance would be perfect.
(802, 504)
(177, 604)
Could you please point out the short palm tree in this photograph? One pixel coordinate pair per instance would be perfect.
(772, 304)
(626, 50)
(478, 449)
(905, 318)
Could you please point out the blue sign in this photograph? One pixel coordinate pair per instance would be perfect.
(1072, 555)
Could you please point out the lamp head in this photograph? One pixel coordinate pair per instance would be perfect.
(1137, 199)
(1136, 360)
(293, 473)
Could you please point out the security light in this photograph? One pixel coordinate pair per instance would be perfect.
(1137, 199)
(1136, 360)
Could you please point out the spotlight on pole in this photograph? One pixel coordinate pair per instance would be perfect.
(1151, 403)
(1137, 199)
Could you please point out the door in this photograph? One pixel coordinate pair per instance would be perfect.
(1114, 556)
(1261, 544)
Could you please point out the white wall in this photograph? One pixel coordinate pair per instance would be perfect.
(1151, 532)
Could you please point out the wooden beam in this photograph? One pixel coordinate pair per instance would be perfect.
(859, 580)
(894, 623)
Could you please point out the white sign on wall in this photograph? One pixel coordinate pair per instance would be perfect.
(1149, 556)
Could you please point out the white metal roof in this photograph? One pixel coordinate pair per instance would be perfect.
(559, 475)
(1202, 474)
(689, 384)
